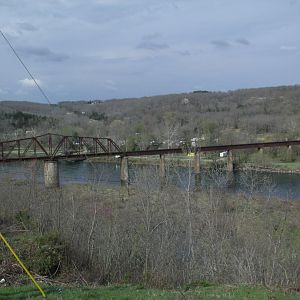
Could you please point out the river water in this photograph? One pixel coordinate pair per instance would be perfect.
(284, 186)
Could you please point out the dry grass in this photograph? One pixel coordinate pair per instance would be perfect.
(164, 238)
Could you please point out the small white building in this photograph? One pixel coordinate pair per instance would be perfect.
(30, 132)
(223, 154)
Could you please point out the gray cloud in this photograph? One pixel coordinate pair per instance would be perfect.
(27, 26)
(184, 53)
(43, 53)
(110, 85)
(287, 48)
(243, 41)
(220, 43)
(150, 42)
(123, 41)
(152, 45)
(4, 3)
(3, 91)
(151, 36)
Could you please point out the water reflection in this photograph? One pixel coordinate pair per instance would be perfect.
(286, 186)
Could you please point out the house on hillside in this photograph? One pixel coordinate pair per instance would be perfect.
(196, 140)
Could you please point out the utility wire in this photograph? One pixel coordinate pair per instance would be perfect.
(16, 54)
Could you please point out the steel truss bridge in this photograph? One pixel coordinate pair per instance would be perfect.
(55, 147)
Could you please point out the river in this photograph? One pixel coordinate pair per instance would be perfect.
(284, 186)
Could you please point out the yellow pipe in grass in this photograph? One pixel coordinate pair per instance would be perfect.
(22, 265)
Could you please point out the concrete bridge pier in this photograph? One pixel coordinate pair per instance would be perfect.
(162, 171)
(197, 170)
(290, 153)
(230, 169)
(124, 176)
(51, 174)
(230, 165)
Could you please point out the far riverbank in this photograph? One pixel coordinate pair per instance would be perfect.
(187, 161)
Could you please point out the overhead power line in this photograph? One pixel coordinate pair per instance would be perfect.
(23, 64)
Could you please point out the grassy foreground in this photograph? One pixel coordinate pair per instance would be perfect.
(199, 291)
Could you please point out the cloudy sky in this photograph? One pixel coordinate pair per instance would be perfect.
(102, 49)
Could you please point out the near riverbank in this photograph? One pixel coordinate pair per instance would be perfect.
(91, 241)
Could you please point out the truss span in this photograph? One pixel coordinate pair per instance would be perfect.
(53, 146)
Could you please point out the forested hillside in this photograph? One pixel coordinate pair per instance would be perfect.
(211, 117)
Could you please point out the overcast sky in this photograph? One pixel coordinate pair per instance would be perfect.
(102, 49)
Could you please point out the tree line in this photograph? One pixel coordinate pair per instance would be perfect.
(240, 116)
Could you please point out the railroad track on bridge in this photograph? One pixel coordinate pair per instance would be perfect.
(58, 147)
